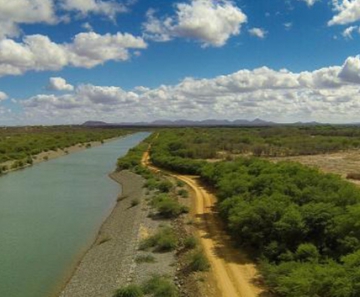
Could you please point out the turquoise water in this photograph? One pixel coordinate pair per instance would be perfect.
(50, 214)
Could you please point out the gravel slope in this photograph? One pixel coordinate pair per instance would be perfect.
(109, 263)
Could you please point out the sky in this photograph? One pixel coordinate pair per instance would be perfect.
(70, 61)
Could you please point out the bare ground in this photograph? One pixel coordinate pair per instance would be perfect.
(340, 163)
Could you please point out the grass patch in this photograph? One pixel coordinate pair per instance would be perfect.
(160, 286)
(198, 261)
(129, 291)
(145, 259)
(163, 241)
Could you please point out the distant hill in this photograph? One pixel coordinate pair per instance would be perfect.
(185, 123)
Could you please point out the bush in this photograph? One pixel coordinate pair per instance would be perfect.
(163, 241)
(183, 193)
(160, 286)
(198, 261)
(190, 242)
(129, 291)
(180, 183)
(168, 207)
(165, 186)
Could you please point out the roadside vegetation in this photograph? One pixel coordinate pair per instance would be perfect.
(165, 198)
(156, 286)
(300, 224)
(22, 144)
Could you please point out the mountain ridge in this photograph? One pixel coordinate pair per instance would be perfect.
(201, 123)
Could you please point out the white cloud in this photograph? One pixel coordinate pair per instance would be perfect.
(258, 32)
(350, 71)
(3, 96)
(347, 33)
(288, 26)
(328, 94)
(59, 84)
(16, 12)
(38, 52)
(87, 26)
(347, 11)
(310, 2)
(85, 7)
(210, 22)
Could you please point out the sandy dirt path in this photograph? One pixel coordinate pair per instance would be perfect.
(234, 273)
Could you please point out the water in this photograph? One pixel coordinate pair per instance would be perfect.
(50, 214)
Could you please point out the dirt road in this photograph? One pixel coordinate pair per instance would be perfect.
(234, 273)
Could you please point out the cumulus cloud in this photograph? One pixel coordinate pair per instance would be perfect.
(327, 94)
(38, 52)
(258, 32)
(59, 84)
(16, 12)
(3, 96)
(350, 71)
(347, 11)
(85, 7)
(210, 22)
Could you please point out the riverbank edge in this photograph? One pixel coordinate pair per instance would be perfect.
(50, 155)
(108, 263)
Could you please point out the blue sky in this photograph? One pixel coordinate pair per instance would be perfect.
(67, 61)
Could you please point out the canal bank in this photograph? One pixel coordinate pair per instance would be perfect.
(109, 263)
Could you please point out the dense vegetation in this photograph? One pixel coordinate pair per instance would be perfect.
(301, 224)
(23, 143)
(207, 143)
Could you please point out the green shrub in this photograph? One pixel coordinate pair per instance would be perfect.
(165, 186)
(183, 193)
(129, 291)
(198, 261)
(168, 207)
(190, 242)
(163, 241)
(159, 286)
(180, 183)
(151, 184)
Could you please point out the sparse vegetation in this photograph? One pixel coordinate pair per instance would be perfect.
(183, 193)
(129, 291)
(163, 241)
(160, 286)
(145, 259)
(198, 261)
(190, 242)
(168, 207)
